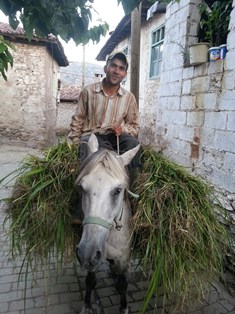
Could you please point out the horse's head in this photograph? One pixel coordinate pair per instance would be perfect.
(103, 180)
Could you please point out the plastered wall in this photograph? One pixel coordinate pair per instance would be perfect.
(28, 98)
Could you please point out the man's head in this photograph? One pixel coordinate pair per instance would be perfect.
(120, 56)
(116, 68)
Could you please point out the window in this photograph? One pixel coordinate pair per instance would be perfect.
(156, 51)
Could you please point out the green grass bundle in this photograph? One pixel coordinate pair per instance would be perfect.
(40, 207)
(176, 233)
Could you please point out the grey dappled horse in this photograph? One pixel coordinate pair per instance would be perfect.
(106, 233)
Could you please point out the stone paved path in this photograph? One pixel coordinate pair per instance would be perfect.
(64, 291)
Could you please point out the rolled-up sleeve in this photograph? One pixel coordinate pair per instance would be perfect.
(131, 125)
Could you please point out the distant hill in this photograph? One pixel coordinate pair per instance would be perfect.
(72, 74)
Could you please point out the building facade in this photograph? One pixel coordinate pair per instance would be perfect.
(29, 97)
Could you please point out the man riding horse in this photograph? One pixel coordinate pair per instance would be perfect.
(110, 112)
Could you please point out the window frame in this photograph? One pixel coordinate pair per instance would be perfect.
(158, 41)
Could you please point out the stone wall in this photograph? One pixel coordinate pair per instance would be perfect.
(29, 97)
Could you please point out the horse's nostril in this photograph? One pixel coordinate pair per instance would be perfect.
(95, 259)
(98, 255)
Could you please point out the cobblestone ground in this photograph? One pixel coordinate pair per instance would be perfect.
(63, 292)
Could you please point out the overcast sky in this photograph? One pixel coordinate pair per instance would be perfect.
(108, 11)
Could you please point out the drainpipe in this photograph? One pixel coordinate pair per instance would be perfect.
(135, 51)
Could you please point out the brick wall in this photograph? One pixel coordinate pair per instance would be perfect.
(194, 105)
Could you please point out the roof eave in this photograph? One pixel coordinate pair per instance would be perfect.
(123, 30)
(53, 45)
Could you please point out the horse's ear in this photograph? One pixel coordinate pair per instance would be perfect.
(93, 144)
(129, 155)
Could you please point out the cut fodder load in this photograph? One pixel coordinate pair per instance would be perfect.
(177, 236)
(39, 209)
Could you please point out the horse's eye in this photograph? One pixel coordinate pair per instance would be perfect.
(117, 191)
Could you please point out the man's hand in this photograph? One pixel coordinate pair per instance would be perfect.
(117, 129)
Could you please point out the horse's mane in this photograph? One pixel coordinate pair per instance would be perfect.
(109, 160)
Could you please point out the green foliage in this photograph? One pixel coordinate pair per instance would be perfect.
(39, 210)
(69, 19)
(214, 21)
(5, 56)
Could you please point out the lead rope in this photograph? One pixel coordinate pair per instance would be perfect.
(118, 149)
(117, 220)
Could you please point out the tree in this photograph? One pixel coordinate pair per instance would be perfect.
(68, 19)
(5, 56)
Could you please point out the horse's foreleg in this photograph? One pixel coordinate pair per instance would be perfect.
(121, 286)
(90, 286)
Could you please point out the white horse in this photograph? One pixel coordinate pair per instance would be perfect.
(106, 232)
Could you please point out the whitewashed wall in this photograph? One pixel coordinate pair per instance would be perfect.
(28, 98)
(195, 108)
(195, 105)
(148, 87)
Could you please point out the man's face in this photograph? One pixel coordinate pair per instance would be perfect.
(115, 72)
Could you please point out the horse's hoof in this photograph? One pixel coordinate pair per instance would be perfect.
(86, 310)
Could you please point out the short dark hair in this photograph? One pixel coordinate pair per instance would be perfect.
(120, 55)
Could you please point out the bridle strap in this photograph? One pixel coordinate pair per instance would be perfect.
(97, 221)
(133, 194)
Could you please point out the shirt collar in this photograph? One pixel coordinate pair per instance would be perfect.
(99, 88)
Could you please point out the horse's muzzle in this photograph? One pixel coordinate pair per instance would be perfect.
(89, 261)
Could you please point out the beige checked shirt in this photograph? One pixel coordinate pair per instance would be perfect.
(98, 113)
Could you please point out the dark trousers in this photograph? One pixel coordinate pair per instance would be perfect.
(110, 141)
